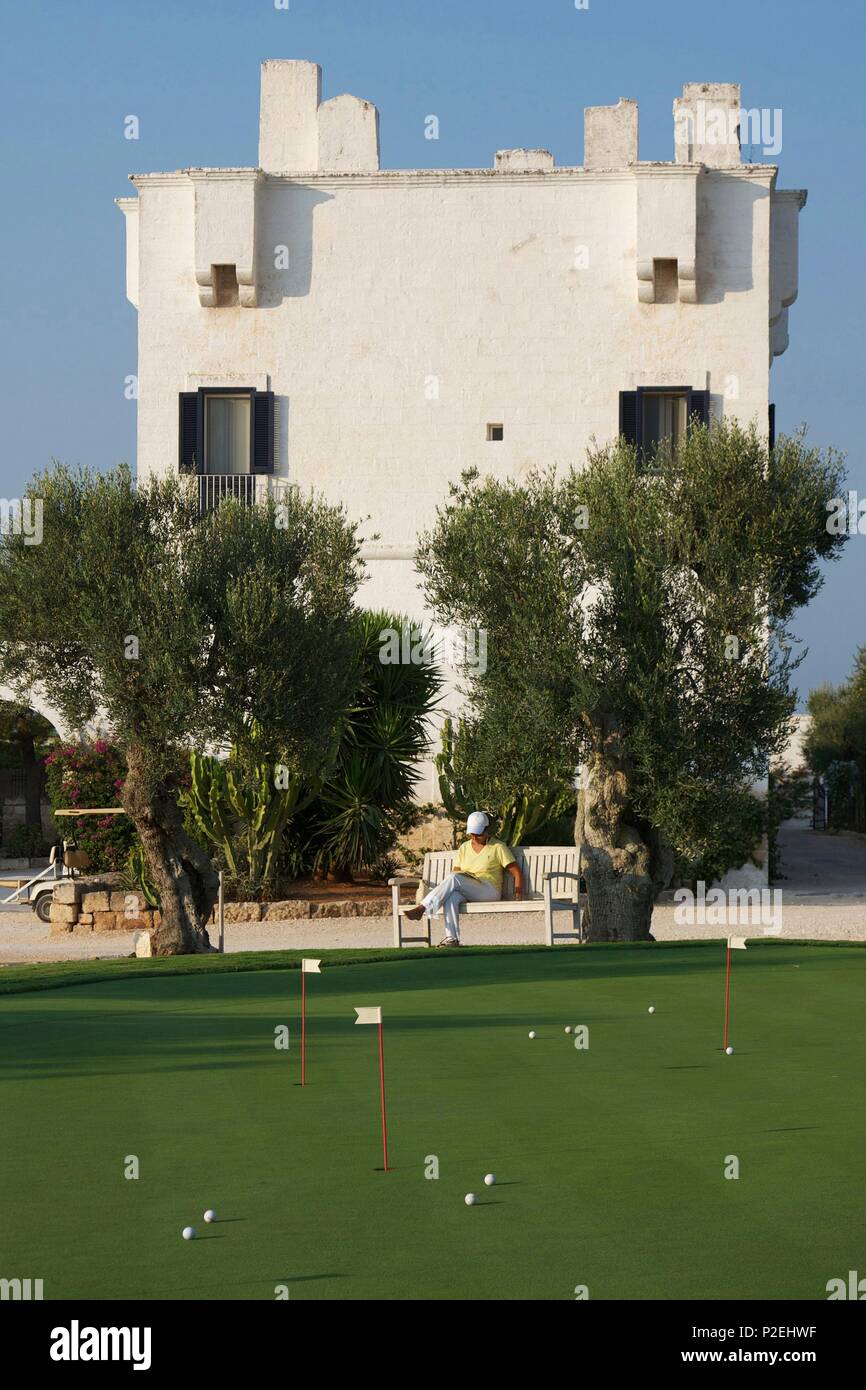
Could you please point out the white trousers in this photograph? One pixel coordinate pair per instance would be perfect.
(454, 890)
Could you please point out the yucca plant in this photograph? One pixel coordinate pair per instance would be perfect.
(384, 734)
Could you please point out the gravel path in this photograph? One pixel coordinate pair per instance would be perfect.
(23, 938)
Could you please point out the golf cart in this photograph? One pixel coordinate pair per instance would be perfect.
(65, 862)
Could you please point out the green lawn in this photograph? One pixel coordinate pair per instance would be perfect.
(610, 1161)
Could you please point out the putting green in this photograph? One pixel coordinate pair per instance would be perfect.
(610, 1160)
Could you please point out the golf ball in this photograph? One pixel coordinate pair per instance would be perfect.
(489, 1179)
(532, 1035)
(189, 1233)
(210, 1215)
(470, 1199)
(651, 1009)
(729, 1051)
(568, 1028)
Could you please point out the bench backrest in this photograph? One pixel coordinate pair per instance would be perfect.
(535, 861)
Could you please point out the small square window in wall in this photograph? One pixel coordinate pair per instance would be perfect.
(495, 433)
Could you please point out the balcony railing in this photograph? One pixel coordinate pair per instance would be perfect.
(247, 488)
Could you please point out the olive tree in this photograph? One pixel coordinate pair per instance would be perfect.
(173, 630)
(637, 616)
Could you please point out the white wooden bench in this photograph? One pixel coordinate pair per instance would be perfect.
(543, 866)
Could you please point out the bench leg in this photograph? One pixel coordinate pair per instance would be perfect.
(548, 913)
(395, 911)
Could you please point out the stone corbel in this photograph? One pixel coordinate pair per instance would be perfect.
(206, 288)
(688, 282)
(646, 282)
(247, 287)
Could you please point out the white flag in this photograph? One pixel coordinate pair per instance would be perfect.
(371, 1015)
(310, 967)
(737, 943)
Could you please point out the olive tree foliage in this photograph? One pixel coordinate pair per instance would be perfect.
(175, 630)
(638, 615)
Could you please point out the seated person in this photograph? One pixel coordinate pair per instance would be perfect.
(478, 869)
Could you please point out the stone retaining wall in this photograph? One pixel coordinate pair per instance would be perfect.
(99, 905)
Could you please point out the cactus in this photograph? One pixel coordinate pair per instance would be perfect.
(455, 796)
(135, 876)
(208, 802)
(242, 810)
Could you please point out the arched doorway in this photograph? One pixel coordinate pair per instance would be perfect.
(26, 732)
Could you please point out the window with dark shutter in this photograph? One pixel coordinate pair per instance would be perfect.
(628, 416)
(263, 432)
(771, 425)
(190, 459)
(699, 405)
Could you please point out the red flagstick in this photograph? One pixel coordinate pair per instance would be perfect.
(313, 967)
(727, 995)
(373, 1014)
(382, 1085)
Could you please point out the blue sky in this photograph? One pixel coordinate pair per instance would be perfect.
(498, 73)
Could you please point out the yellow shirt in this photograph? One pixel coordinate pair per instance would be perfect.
(488, 864)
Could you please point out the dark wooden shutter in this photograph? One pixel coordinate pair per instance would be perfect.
(699, 404)
(628, 421)
(189, 454)
(771, 425)
(262, 451)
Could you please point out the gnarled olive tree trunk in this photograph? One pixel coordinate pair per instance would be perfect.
(625, 865)
(182, 873)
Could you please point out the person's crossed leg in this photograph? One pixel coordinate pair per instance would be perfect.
(450, 896)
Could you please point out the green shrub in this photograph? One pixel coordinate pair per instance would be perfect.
(847, 800)
(836, 745)
(718, 829)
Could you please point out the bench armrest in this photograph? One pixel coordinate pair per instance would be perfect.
(560, 873)
(404, 882)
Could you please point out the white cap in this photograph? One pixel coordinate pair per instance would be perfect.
(477, 823)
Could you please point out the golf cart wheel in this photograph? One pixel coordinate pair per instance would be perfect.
(43, 907)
